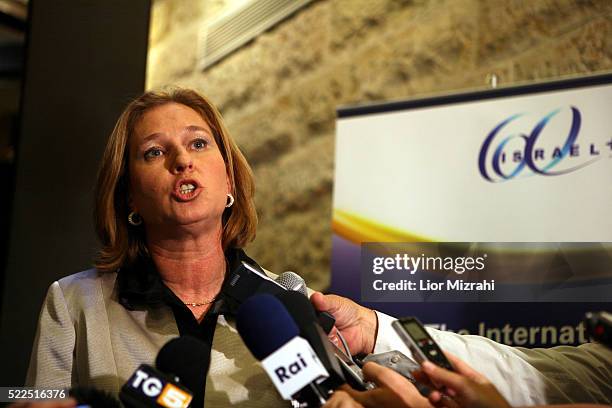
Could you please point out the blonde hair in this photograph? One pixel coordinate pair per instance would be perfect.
(122, 243)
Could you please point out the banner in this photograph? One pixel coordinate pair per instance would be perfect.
(522, 176)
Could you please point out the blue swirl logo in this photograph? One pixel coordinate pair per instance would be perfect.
(529, 157)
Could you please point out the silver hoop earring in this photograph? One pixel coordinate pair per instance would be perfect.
(134, 219)
(230, 202)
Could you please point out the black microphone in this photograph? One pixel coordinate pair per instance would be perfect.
(273, 337)
(181, 361)
(149, 387)
(341, 367)
(93, 397)
(300, 308)
(247, 280)
(243, 282)
(188, 359)
(295, 283)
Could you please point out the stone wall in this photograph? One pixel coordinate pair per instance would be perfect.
(279, 92)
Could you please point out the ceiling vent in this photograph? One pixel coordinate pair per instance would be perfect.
(222, 36)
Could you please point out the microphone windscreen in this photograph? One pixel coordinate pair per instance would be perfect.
(265, 325)
(187, 358)
(292, 281)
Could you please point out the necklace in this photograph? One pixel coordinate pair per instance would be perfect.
(206, 302)
(195, 304)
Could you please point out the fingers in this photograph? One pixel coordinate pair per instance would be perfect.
(341, 308)
(446, 401)
(442, 376)
(341, 399)
(333, 337)
(422, 378)
(357, 324)
(438, 399)
(394, 390)
(434, 397)
(318, 301)
(386, 377)
(345, 311)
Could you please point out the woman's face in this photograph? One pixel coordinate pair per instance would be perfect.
(177, 173)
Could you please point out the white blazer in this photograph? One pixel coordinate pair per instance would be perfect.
(86, 337)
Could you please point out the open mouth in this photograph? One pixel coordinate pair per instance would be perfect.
(185, 190)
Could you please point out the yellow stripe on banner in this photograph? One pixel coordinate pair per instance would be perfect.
(358, 229)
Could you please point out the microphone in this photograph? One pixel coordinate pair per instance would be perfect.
(93, 397)
(188, 359)
(273, 338)
(352, 372)
(148, 387)
(340, 367)
(245, 281)
(161, 387)
(295, 283)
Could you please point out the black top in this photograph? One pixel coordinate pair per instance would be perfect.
(139, 285)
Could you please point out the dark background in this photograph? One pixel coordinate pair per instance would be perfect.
(82, 61)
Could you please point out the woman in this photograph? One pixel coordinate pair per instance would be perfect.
(174, 205)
